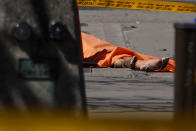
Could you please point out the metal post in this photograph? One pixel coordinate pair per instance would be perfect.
(185, 79)
(40, 56)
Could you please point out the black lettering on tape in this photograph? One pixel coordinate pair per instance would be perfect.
(101, 4)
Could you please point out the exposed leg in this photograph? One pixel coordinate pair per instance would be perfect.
(143, 65)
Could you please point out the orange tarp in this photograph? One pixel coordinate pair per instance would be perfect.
(104, 53)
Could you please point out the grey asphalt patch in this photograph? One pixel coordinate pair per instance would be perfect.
(126, 90)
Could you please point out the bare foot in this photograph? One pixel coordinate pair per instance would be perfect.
(143, 65)
(152, 65)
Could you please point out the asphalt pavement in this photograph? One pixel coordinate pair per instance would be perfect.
(124, 92)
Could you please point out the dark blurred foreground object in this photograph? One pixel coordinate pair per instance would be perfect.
(89, 64)
(185, 78)
(40, 53)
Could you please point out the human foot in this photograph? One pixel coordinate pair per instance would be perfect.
(143, 65)
(152, 65)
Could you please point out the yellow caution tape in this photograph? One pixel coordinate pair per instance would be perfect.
(44, 122)
(141, 5)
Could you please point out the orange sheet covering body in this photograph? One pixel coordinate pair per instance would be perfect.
(105, 54)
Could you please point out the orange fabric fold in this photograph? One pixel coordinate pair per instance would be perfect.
(105, 54)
